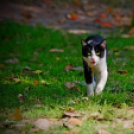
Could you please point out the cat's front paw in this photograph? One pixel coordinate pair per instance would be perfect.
(99, 89)
(90, 93)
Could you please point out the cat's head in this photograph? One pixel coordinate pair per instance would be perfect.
(93, 49)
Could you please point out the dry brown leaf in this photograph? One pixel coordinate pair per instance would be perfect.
(68, 67)
(56, 50)
(77, 3)
(73, 122)
(13, 79)
(97, 116)
(14, 60)
(126, 21)
(106, 24)
(43, 123)
(48, 2)
(37, 72)
(126, 35)
(71, 113)
(122, 72)
(17, 115)
(131, 31)
(109, 10)
(70, 85)
(27, 15)
(128, 124)
(36, 81)
(21, 98)
(102, 15)
(97, 20)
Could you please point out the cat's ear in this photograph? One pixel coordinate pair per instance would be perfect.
(83, 43)
(103, 43)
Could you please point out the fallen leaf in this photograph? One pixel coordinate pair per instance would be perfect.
(85, 98)
(21, 98)
(48, 2)
(109, 10)
(68, 67)
(102, 15)
(128, 124)
(74, 17)
(77, 3)
(106, 24)
(97, 20)
(126, 35)
(71, 113)
(97, 116)
(74, 122)
(131, 31)
(28, 88)
(17, 80)
(43, 123)
(131, 47)
(14, 60)
(126, 21)
(70, 85)
(27, 68)
(37, 72)
(17, 115)
(27, 15)
(118, 105)
(122, 72)
(36, 81)
(13, 79)
(56, 50)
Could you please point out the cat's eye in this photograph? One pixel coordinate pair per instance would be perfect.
(98, 53)
(89, 53)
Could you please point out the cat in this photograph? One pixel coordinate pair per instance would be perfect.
(94, 52)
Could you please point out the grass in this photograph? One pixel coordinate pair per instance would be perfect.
(31, 45)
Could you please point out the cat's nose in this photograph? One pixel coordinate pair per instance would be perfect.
(93, 59)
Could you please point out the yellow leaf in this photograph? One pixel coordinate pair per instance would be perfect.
(17, 115)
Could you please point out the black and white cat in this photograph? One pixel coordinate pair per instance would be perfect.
(94, 52)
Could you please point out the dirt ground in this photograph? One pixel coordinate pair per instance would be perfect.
(76, 18)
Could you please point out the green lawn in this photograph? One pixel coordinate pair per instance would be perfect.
(39, 76)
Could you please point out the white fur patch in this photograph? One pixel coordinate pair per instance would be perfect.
(83, 43)
(90, 89)
(90, 41)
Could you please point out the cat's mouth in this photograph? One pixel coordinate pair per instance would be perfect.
(93, 62)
